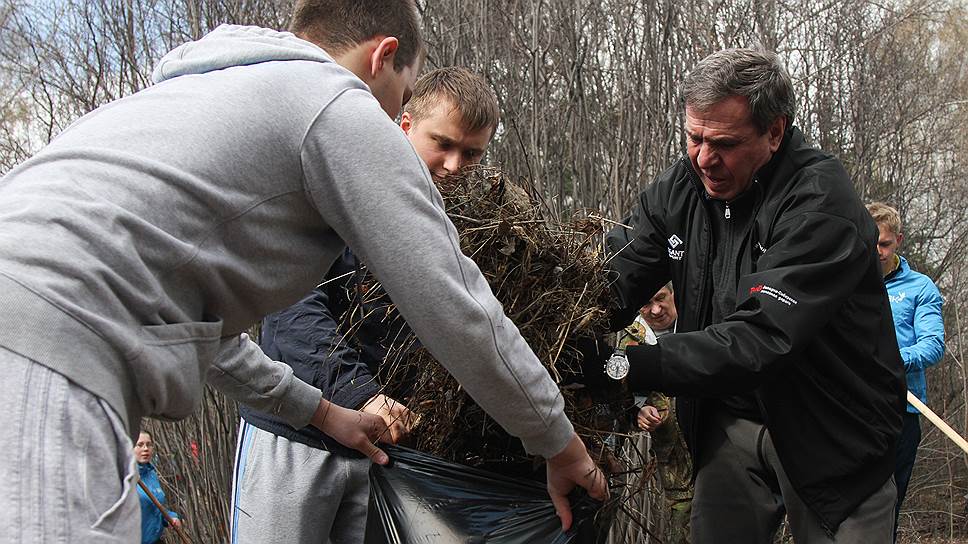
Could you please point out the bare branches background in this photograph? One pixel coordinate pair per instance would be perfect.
(588, 90)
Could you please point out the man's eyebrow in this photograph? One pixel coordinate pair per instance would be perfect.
(715, 139)
(442, 138)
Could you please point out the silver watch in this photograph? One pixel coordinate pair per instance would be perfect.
(617, 366)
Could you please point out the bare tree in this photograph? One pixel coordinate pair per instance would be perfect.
(589, 93)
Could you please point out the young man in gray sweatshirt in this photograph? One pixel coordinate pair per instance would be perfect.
(137, 247)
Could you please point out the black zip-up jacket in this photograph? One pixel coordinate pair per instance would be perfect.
(811, 336)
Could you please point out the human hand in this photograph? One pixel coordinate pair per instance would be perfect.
(569, 468)
(176, 523)
(398, 418)
(353, 429)
(648, 418)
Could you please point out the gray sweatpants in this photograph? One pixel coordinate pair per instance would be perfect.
(742, 493)
(67, 471)
(284, 492)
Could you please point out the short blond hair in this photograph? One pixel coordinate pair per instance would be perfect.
(886, 215)
(466, 91)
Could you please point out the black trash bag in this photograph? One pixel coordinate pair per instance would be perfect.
(423, 499)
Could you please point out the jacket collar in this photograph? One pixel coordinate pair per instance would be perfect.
(767, 172)
(900, 270)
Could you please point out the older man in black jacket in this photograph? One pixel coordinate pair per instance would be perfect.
(790, 385)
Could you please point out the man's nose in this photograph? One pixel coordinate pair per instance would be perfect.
(706, 157)
(452, 163)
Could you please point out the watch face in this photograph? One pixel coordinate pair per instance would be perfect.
(617, 366)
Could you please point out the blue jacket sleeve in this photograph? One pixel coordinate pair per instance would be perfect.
(928, 348)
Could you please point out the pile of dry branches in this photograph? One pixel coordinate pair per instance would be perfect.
(550, 278)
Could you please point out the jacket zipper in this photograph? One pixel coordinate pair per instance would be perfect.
(697, 185)
(727, 214)
(697, 403)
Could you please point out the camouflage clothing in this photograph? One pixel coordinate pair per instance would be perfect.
(674, 466)
(636, 333)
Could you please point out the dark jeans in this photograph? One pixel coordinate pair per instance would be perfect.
(907, 450)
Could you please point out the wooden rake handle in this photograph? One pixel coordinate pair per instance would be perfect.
(171, 522)
(938, 422)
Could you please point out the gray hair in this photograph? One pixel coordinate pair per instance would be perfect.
(757, 75)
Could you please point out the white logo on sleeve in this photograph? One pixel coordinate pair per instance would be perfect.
(774, 293)
(676, 254)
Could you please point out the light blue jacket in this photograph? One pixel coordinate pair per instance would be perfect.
(152, 522)
(916, 305)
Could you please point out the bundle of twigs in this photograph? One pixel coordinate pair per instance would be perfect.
(550, 278)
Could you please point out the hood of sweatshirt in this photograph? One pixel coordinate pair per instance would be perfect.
(235, 45)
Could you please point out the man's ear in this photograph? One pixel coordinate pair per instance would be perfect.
(383, 54)
(406, 122)
(900, 238)
(776, 130)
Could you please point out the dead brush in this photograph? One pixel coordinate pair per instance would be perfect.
(550, 278)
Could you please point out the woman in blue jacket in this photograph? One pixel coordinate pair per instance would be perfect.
(152, 521)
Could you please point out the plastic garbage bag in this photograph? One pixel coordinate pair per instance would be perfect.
(423, 499)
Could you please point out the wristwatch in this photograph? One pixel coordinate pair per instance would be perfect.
(617, 366)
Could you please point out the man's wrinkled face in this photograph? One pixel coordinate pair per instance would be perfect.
(442, 140)
(725, 147)
(887, 244)
(660, 313)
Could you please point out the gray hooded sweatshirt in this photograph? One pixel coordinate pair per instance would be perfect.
(137, 247)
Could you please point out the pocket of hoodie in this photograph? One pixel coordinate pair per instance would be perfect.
(169, 371)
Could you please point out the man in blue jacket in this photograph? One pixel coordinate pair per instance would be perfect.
(916, 306)
(300, 485)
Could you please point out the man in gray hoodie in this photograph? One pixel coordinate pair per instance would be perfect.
(137, 247)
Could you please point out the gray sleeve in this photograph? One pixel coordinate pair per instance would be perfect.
(246, 375)
(371, 187)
